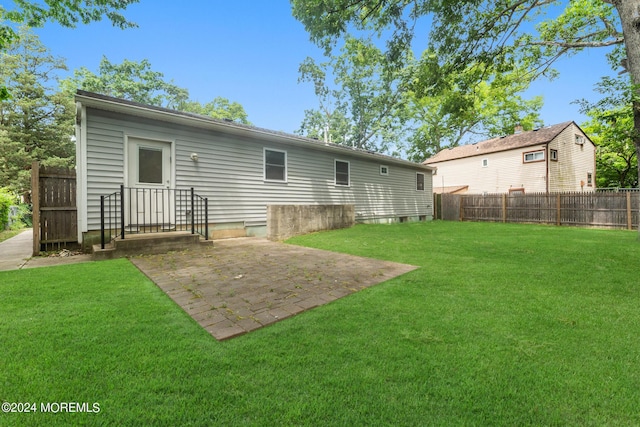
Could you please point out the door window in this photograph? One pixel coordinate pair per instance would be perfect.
(149, 165)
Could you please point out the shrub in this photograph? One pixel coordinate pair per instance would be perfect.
(21, 217)
(6, 200)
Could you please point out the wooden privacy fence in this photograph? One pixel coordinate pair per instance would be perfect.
(607, 210)
(53, 194)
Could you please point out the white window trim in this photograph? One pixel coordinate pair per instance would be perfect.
(386, 170)
(335, 171)
(553, 151)
(264, 165)
(423, 181)
(524, 156)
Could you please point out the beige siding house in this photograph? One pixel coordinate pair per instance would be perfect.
(555, 158)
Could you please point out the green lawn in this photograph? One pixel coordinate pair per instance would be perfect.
(503, 325)
(7, 234)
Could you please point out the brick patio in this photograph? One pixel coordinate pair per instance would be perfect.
(239, 285)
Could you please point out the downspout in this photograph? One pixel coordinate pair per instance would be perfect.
(81, 169)
(546, 158)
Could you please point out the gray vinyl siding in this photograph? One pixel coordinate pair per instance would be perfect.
(230, 172)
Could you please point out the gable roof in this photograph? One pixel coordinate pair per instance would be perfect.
(503, 143)
(123, 106)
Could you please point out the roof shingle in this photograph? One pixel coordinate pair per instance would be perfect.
(503, 143)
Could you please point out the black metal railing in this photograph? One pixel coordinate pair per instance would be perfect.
(152, 210)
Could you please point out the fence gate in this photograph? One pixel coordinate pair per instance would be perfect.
(55, 217)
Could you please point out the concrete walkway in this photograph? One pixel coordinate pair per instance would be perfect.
(15, 252)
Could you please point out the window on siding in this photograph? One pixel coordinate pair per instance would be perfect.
(589, 179)
(419, 181)
(485, 163)
(275, 165)
(533, 156)
(384, 170)
(149, 165)
(342, 173)
(579, 139)
(553, 155)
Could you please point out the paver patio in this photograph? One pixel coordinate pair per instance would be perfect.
(239, 285)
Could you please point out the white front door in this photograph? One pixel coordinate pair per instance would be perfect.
(149, 199)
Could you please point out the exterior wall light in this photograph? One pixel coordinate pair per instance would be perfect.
(194, 157)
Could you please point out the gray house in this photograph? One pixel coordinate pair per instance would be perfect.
(240, 169)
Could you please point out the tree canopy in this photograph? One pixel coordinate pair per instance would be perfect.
(36, 122)
(138, 82)
(67, 13)
(498, 32)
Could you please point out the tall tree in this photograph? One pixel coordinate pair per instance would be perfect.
(611, 128)
(463, 110)
(360, 107)
(131, 80)
(488, 31)
(36, 123)
(66, 13)
(138, 82)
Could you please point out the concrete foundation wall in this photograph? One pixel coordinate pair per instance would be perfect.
(284, 221)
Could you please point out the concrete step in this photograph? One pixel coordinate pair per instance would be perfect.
(149, 243)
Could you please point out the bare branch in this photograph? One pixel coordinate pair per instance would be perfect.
(579, 45)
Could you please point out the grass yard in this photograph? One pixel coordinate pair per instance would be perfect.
(7, 234)
(503, 325)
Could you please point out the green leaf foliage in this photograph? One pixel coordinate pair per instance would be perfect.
(37, 121)
(138, 82)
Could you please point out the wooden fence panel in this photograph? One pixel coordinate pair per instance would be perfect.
(54, 207)
(450, 207)
(597, 209)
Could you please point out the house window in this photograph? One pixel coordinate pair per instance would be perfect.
(553, 155)
(342, 173)
(589, 179)
(384, 170)
(275, 165)
(149, 165)
(533, 156)
(579, 139)
(485, 163)
(419, 182)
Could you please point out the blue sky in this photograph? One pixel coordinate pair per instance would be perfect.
(249, 51)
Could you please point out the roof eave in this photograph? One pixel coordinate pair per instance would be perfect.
(161, 114)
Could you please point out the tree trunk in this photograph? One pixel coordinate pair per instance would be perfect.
(629, 11)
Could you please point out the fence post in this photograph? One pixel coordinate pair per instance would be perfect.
(558, 209)
(461, 208)
(504, 208)
(122, 211)
(35, 203)
(206, 218)
(629, 219)
(193, 224)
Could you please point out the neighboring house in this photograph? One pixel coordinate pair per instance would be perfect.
(241, 169)
(556, 158)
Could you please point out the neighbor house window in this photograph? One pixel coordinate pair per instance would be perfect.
(419, 181)
(275, 165)
(579, 139)
(485, 163)
(342, 173)
(384, 170)
(533, 156)
(589, 179)
(553, 154)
